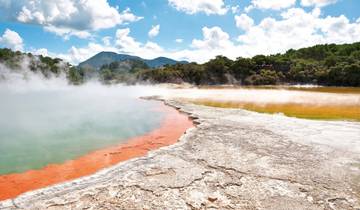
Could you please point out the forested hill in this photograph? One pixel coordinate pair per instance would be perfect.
(329, 64)
(106, 58)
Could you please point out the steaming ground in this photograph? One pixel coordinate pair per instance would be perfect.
(300, 102)
(266, 96)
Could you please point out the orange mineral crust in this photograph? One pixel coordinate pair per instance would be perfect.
(172, 127)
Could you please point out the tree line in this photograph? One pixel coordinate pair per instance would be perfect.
(49, 67)
(329, 64)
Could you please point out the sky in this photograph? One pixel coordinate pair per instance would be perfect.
(192, 30)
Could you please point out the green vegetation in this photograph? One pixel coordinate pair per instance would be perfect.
(329, 65)
(116, 72)
(105, 58)
(49, 67)
(75, 76)
(121, 71)
(10, 58)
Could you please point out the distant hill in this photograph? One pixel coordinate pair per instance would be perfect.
(104, 58)
(162, 61)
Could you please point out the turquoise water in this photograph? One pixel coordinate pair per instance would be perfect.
(43, 126)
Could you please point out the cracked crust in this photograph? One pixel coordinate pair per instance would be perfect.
(233, 159)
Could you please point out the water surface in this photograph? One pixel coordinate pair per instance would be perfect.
(39, 126)
(325, 103)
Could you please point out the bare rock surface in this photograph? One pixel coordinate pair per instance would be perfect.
(233, 159)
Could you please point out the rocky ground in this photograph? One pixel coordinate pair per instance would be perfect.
(233, 159)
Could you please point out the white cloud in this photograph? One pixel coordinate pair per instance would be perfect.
(235, 9)
(270, 4)
(41, 51)
(126, 17)
(126, 42)
(317, 3)
(67, 17)
(244, 22)
(154, 31)
(66, 33)
(213, 38)
(179, 40)
(297, 29)
(152, 46)
(12, 40)
(214, 42)
(209, 7)
(106, 40)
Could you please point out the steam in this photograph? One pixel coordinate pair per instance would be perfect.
(20, 78)
(267, 96)
(46, 120)
(33, 103)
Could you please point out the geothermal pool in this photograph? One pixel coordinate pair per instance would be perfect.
(318, 103)
(45, 125)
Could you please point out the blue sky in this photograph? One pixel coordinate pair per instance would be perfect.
(195, 30)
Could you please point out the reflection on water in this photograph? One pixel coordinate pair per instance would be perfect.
(39, 127)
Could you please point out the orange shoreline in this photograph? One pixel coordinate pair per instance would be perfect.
(172, 127)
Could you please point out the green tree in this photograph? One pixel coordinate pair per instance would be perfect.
(74, 76)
